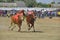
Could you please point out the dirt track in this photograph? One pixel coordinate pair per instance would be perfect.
(46, 29)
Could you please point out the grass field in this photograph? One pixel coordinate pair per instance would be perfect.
(46, 29)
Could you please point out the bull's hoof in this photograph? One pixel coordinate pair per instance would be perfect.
(12, 29)
(18, 30)
(34, 30)
(28, 28)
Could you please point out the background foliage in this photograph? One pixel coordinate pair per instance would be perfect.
(30, 3)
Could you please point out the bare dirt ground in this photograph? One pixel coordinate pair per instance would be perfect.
(46, 29)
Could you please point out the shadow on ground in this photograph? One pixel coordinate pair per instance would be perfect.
(31, 31)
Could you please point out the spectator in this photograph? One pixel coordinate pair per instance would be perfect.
(42, 15)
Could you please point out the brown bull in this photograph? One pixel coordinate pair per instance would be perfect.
(30, 18)
(17, 19)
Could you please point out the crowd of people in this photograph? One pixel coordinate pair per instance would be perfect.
(40, 14)
(45, 13)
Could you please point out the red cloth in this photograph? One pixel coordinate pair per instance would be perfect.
(15, 17)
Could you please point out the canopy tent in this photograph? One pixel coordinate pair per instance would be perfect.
(28, 9)
(5, 8)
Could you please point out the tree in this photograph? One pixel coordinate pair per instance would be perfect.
(42, 5)
(30, 3)
(10, 0)
(1, 0)
(52, 2)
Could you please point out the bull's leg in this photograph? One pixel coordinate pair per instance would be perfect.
(33, 28)
(19, 27)
(13, 27)
(32, 25)
(28, 26)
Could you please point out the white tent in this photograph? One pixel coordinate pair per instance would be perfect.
(27, 8)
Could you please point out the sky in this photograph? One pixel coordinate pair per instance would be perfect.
(47, 1)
